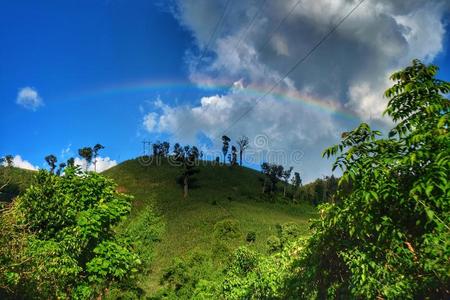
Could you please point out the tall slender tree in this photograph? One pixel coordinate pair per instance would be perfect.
(226, 145)
(187, 157)
(95, 151)
(233, 159)
(70, 162)
(243, 144)
(51, 161)
(286, 174)
(296, 183)
(87, 154)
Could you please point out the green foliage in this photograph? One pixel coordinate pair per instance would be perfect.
(66, 245)
(274, 243)
(389, 237)
(251, 237)
(227, 229)
(189, 278)
(288, 232)
(143, 232)
(253, 276)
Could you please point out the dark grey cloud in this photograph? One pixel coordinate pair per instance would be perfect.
(349, 70)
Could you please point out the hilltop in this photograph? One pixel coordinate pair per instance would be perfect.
(219, 193)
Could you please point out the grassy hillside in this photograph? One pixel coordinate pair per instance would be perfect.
(219, 193)
(16, 180)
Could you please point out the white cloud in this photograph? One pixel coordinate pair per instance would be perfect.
(349, 70)
(29, 98)
(150, 121)
(103, 164)
(19, 162)
(66, 151)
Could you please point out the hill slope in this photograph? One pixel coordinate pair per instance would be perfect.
(219, 193)
(15, 182)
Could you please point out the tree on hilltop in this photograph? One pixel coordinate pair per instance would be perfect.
(51, 161)
(226, 145)
(86, 153)
(243, 144)
(95, 151)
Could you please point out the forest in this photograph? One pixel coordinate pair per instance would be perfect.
(175, 225)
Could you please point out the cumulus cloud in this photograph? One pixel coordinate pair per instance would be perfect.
(103, 164)
(19, 162)
(29, 98)
(348, 72)
(379, 37)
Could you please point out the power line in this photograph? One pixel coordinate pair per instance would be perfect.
(216, 28)
(208, 44)
(270, 36)
(251, 24)
(246, 31)
(295, 66)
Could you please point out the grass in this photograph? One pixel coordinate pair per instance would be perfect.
(218, 193)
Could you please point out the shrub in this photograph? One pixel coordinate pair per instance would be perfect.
(251, 237)
(227, 229)
(143, 233)
(274, 243)
(66, 245)
(288, 232)
(388, 237)
(189, 276)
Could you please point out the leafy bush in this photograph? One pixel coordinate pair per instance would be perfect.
(251, 276)
(251, 237)
(389, 237)
(143, 233)
(274, 243)
(190, 277)
(66, 246)
(288, 232)
(227, 229)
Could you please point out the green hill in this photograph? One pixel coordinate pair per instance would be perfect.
(218, 193)
(14, 182)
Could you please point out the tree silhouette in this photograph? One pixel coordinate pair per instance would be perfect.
(71, 162)
(95, 151)
(243, 144)
(60, 168)
(51, 161)
(296, 183)
(187, 156)
(286, 174)
(272, 173)
(9, 159)
(87, 154)
(233, 159)
(226, 144)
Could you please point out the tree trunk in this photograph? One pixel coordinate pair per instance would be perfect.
(186, 186)
(284, 192)
(264, 186)
(240, 158)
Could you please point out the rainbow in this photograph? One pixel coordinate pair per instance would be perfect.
(255, 92)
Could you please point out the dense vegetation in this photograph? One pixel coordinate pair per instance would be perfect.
(58, 238)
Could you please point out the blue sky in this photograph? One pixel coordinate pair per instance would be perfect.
(117, 72)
